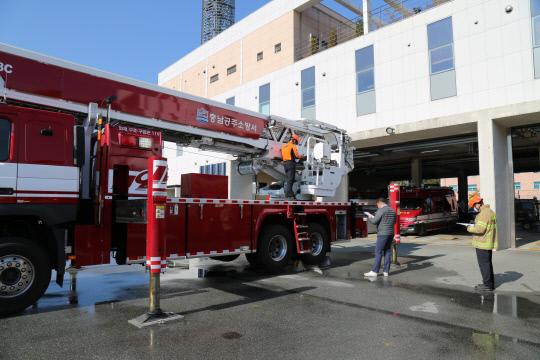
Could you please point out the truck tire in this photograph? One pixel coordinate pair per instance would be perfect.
(318, 243)
(527, 226)
(274, 248)
(225, 258)
(422, 230)
(25, 274)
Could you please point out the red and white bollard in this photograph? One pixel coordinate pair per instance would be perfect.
(155, 242)
(394, 204)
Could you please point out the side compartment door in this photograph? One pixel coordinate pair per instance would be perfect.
(217, 228)
(8, 158)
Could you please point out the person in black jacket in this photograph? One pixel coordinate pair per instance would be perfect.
(385, 219)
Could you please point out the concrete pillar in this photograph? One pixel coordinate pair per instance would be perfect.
(463, 191)
(497, 177)
(367, 16)
(240, 186)
(416, 172)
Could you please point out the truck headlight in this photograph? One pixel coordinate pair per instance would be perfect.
(413, 219)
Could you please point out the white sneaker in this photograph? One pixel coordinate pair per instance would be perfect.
(385, 273)
(371, 273)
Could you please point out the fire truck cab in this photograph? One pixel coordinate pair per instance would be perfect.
(427, 209)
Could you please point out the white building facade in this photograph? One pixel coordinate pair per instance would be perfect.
(455, 67)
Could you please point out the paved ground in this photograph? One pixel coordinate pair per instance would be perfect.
(425, 309)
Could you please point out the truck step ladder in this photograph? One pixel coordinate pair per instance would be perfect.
(300, 228)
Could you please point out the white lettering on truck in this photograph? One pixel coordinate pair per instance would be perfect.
(6, 68)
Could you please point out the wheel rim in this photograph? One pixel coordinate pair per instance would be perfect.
(316, 244)
(277, 248)
(16, 275)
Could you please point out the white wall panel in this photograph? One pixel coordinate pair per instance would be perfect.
(497, 97)
(513, 68)
(495, 73)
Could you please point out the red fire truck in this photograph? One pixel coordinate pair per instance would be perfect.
(73, 181)
(426, 209)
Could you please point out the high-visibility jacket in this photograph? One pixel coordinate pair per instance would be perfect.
(289, 152)
(484, 229)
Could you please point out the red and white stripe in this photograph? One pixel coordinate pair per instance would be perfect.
(157, 264)
(254, 202)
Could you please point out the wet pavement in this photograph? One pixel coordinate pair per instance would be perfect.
(425, 309)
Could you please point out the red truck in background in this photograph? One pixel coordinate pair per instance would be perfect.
(73, 183)
(426, 209)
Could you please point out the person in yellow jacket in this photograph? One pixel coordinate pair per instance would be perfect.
(289, 154)
(484, 240)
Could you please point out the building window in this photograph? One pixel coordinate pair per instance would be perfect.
(260, 56)
(308, 87)
(264, 99)
(441, 46)
(231, 70)
(215, 169)
(277, 48)
(517, 186)
(365, 74)
(365, 81)
(472, 187)
(230, 101)
(536, 185)
(214, 78)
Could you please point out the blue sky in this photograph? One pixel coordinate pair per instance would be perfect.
(133, 38)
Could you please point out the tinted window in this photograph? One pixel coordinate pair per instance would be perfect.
(264, 93)
(427, 206)
(442, 58)
(448, 204)
(535, 7)
(5, 139)
(308, 77)
(364, 58)
(365, 81)
(230, 101)
(411, 203)
(439, 205)
(440, 33)
(308, 97)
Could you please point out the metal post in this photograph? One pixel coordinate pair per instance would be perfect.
(155, 244)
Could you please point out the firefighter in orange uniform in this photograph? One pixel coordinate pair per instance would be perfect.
(289, 154)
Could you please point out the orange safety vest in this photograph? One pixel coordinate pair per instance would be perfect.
(288, 152)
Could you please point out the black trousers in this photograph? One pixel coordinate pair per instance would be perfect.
(290, 170)
(486, 267)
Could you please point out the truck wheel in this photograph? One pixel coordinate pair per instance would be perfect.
(449, 228)
(275, 247)
(527, 226)
(318, 243)
(25, 274)
(225, 258)
(422, 230)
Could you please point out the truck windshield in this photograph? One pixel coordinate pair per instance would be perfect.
(411, 203)
(524, 206)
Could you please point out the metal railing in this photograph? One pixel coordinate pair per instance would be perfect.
(393, 11)
(397, 10)
(337, 35)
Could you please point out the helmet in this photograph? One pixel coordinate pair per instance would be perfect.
(474, 200)
(295, 137)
